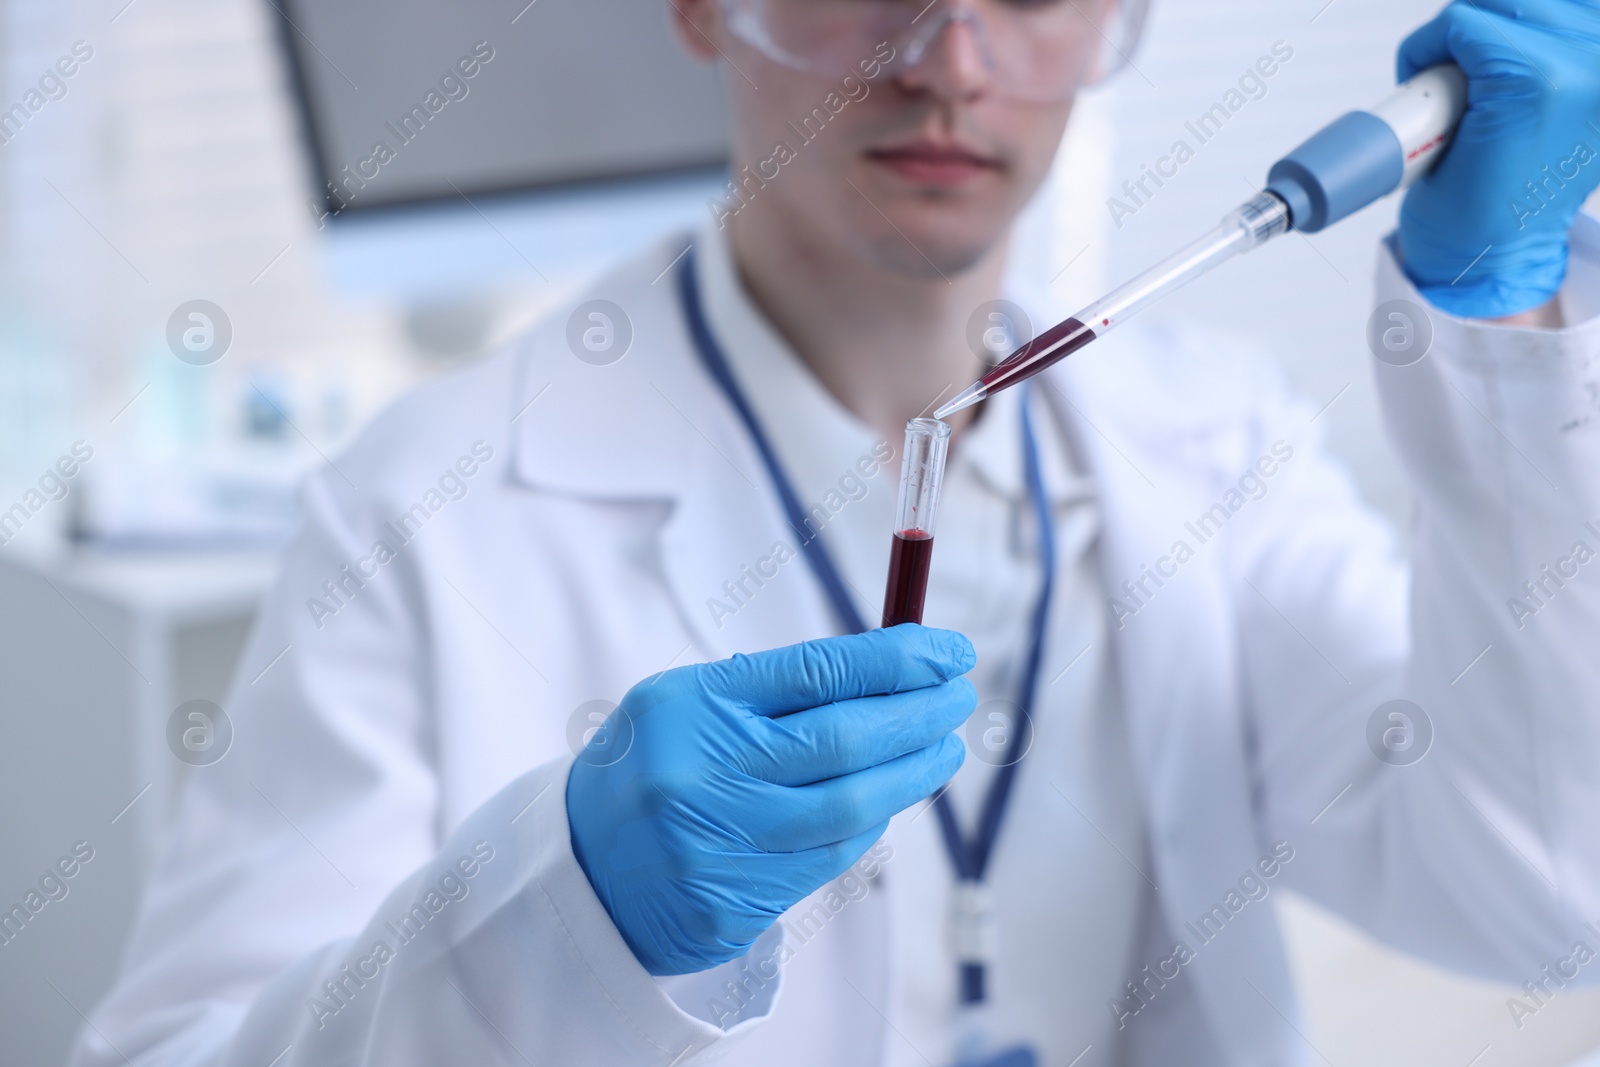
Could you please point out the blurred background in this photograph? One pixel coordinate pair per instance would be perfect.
(209, 280)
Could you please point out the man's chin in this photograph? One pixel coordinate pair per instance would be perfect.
(916, 252)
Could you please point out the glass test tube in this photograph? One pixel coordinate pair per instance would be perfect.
(921, 479)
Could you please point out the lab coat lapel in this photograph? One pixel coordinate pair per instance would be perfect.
(1176, 663)
(725, 550)
(728, 553)
(1171, 640)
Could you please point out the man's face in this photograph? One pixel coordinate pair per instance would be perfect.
(919, 172)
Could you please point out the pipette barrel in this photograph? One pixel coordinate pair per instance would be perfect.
(1243, 228)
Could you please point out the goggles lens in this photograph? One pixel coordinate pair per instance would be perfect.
(1037, 50)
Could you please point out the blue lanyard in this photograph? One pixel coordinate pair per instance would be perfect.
(970, 858)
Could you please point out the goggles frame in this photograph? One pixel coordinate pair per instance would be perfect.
(1119, 39)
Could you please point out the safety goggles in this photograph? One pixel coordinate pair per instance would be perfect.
(1035, 50)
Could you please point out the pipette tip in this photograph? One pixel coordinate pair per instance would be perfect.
(969, 396)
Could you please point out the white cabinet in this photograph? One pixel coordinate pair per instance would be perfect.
(96, 651)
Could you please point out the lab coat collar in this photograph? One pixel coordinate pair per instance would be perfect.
(643, 450)
(671, 437)
(784, 391)
(788, 399)
(665, 409)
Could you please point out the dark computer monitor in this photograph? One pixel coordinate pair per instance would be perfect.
(487, 96)
(564, 124)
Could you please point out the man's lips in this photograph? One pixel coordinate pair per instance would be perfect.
(926, 163)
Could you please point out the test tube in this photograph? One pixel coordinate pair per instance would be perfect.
(921, 479)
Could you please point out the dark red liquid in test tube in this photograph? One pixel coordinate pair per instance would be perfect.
(909, 559)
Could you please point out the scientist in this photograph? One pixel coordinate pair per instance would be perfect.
(556, 744)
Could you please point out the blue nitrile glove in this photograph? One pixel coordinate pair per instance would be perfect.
(751, 782)
(1485, 234)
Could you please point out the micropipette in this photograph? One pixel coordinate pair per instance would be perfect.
(1353, 161)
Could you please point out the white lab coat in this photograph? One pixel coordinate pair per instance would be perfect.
(412, 748)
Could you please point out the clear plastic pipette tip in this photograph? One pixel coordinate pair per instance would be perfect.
(969, 396)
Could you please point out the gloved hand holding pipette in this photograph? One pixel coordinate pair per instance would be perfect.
(752, 781)
(1485, 233)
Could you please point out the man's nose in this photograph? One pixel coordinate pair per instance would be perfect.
(956, 63)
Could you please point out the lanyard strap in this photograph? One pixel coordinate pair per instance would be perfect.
(969, 858)
(717, 364)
